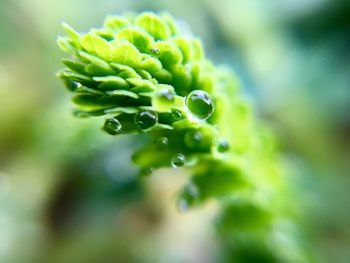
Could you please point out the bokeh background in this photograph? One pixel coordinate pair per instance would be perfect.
(68, 192)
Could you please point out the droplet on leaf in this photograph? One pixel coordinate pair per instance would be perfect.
(161, 142)
(178, 160)
(112, 126)
(147, 171)
(193, 139)
(164, 99)
(155, 51)
(176, 115)
(145, 119)
(200, 104)
(223, 146)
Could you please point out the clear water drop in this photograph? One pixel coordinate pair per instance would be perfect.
(161, 143)
(223, 146)
(176, 115)
(178, 160)
(193, 139)
(155, 51)
(76, 84)
(147, 171)
(200, 104)
(145, 119)
(112, 126)
(164, 99)
(81, 114)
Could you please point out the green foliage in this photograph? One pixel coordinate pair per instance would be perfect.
(145, 76)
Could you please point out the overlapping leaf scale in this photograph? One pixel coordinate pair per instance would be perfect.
(134, 54)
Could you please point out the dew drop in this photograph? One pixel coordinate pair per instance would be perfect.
(161, 143)
(178, 160)
(164, 99)
(193, 139)
(76, 84)
(223, 146)
(155, 50)
(80, 114)
(147, 171)
(200, 104)
(176, 115)
(112, 126)
(145, 119)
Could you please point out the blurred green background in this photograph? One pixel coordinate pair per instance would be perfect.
(68, 192)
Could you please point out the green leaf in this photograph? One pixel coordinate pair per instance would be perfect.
(115, 22)
(97, 46)
(182, 78)
(185, 47)
(111, 82)
(169, 20)
(144, 74)
(215, 178)
(238, 216)
(125, 93)
(168, 53)
(198, 53)
(139, 38)
(106, 34)
(97, 67)
(128, 110)
(74, 35)
(150, 64)
(125, 71)
(141, 85)
(74, 65)
(163, 76)
(74, 76)
(154, 25)
(65, 45)
(126, 53)
(83, 89)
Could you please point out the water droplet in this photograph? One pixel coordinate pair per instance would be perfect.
(147, 171)
(80, 114)
(176, 115)
(145, 119)
(112, 126)
(161, 143)
(193, 139)
(192, 190)
(178, 160)
(164, 99)
(183, 205)
(71, 85)
(200, 104)
(223, 146)
(155, 50)
(76, 84)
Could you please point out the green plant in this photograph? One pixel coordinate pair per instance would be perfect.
(144, 75)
